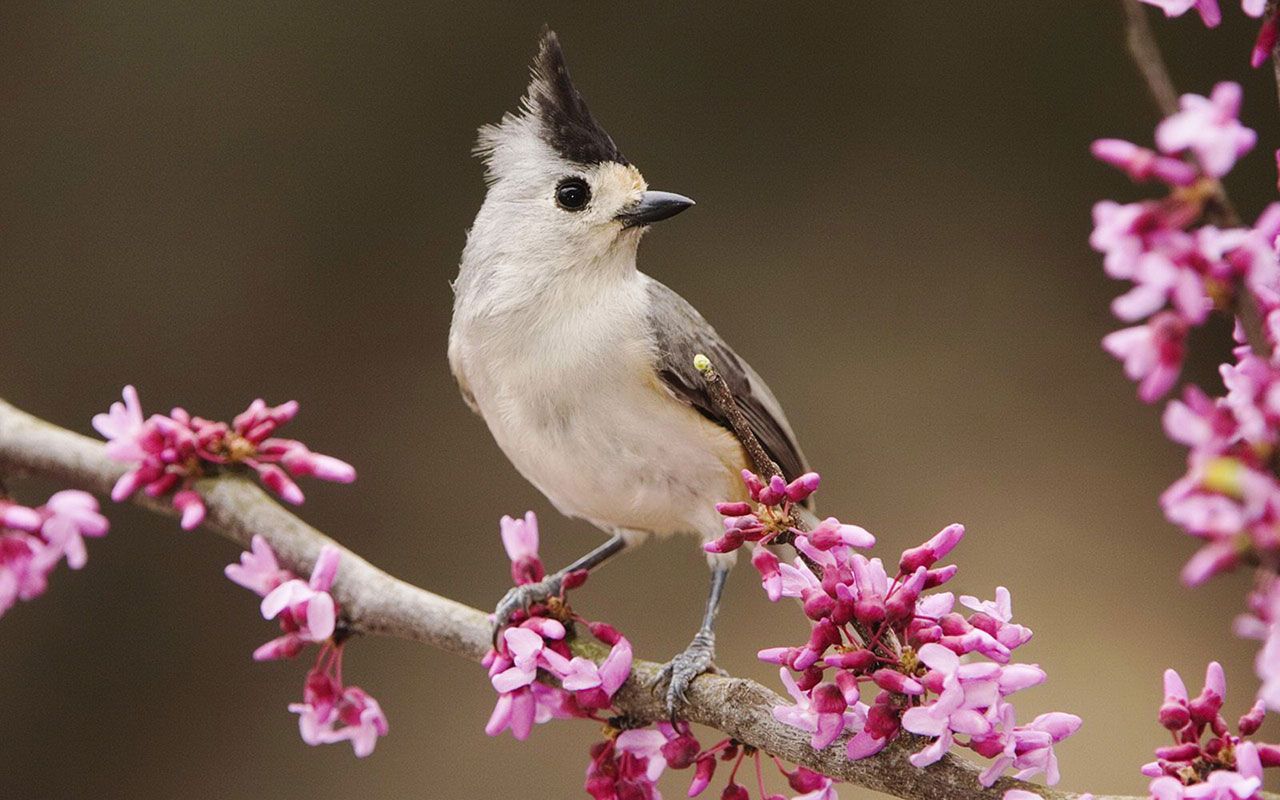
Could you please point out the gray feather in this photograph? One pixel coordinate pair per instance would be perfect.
(681, 333)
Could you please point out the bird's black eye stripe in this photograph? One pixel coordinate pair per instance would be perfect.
(573, 194)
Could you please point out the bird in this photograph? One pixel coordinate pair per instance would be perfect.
(582, 366)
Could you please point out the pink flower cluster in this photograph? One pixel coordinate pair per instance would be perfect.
(892, 637)
(33, 541)
(1206, 761)
(170, 453)
(330, 711)
(538, 641)
(1229, 497)
(628, 763)
(1180, 272)
(769, 515)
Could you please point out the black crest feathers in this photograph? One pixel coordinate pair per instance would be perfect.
(567, 124)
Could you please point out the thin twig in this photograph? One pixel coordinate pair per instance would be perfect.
(722, 398)
(376, 603)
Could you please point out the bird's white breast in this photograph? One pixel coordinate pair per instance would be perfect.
(567, 388)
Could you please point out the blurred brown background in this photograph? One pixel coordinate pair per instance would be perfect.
(224, 200)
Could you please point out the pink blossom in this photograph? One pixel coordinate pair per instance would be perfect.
(307, 611)
(258, 570)
(825, 718)
(69, 516)
(1208, 126)
(33, 541)
(520, 539)
(331, 712)
(1152, 353)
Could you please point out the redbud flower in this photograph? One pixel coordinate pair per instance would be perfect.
(170, 453)
(1152, 353)
(331, 712)
(258, 570)
(1208, 126)
(520, 539)
(34, 540)
(307, 611)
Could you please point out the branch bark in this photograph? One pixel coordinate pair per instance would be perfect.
(374, 602)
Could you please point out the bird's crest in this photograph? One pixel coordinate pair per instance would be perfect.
(557, 112)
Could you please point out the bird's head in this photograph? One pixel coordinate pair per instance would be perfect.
(559, 188)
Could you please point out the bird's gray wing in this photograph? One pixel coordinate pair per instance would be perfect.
(681, 333)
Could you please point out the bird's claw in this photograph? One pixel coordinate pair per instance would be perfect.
(521, 598)
(679, 672)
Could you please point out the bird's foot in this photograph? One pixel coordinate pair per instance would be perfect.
(521, 598)
(679, 672)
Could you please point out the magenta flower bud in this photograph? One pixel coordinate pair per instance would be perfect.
(1252, 721)
(574, 579)
(277, 481)
(828, 699)
(191, 507)
(902, 604)
(766, 563)
(603, 631)
(753, 484)
(1178, 752)
(869, 610)
(882, 720)
(19, 517)
(703, 771)
(809, 678)
(681, 752)
(826, 535)
(1174, 716)
(856, 660)
(935, 548)
(915, 557)
(805, 780)
(799, 490)
(281, 648)
(922, 632)
(1269, 755)
(735, 791)
(893, 681)
(731, 541)
(953, 624)
(740, 509)
(1142, 164)
(939, 576)
(784, 656)
(775, 492)
(326, 468)
(850, 686)
(817, 604)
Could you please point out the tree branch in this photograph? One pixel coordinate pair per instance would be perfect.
(375, 602)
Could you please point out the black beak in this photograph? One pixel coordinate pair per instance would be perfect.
(653, 207)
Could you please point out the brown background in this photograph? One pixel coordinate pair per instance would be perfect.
(222, 200)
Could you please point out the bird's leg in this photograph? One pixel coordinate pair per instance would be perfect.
(522, 597)
(699, 656)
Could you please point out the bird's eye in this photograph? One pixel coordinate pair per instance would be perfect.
(573, 194)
